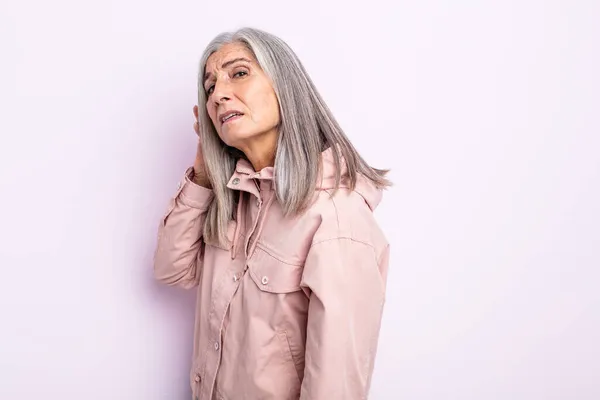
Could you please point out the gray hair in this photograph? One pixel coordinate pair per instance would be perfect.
(307, 127)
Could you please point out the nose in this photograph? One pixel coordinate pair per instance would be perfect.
(221, 92)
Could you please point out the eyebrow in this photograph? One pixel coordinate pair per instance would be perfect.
(225, 65)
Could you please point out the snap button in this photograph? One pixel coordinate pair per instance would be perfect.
(217, 346)
(265, 280)
(236, 276)
(197, 378)
(235, 181)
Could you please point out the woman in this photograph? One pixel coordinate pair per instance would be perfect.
(273, 224)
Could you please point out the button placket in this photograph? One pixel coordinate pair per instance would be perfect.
(223, 294)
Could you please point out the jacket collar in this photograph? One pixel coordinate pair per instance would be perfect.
(247, 179)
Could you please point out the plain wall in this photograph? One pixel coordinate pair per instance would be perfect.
(487, 112)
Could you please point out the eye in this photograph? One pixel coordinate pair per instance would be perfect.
(210, 90)
(240, 72)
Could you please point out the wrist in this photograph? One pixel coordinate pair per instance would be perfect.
(200, 179)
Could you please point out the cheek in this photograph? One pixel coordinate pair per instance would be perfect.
(275, 107)
(267, 107)
(211, 110)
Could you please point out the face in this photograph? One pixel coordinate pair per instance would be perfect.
(235, 82)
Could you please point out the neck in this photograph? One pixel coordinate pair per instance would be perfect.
(260, 163)
(260, 151)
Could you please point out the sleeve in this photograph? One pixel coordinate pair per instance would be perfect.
(179, 250)
(346, 282)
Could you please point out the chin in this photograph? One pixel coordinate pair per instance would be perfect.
(235, 138)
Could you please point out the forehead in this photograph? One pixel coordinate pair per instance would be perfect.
(227, 52)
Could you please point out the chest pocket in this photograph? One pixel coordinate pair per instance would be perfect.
(272, 275)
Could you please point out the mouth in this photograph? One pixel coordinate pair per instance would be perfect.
(231, 117)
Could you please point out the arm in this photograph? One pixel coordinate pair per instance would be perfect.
(346, 281)
(178, 255)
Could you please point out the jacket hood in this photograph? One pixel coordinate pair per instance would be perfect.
(244, 174)
(364, 187)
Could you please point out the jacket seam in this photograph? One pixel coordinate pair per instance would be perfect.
(265, 250)
(346, 238)
(337, 219)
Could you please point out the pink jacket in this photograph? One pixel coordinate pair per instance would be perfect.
(292, 309)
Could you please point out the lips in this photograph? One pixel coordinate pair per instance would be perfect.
(232, 118)
(229, 115)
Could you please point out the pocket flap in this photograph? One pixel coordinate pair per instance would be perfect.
(272, 275)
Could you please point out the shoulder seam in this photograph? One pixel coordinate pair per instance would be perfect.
(342, 238)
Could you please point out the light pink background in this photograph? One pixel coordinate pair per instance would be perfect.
(487, 112)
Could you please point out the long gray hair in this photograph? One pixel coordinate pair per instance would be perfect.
(307, 127)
